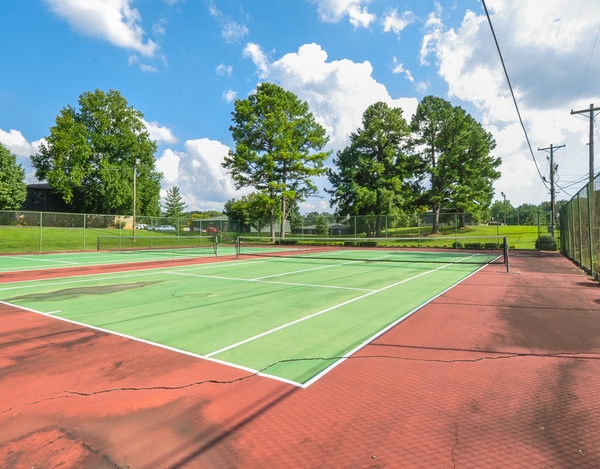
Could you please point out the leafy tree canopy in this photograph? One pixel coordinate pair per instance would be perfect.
(253, 210)
(90, 155)
(278, 148)
(375, 174)
(454, 150)
(13, 190)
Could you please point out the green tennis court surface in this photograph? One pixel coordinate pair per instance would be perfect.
(16, 263)
(288, 318)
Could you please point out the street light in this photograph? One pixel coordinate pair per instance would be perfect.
(136, 164)
(504, 197)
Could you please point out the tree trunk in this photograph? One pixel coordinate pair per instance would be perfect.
(435, 229)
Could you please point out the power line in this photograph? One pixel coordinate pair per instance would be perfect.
(588, 65)
(513, 94)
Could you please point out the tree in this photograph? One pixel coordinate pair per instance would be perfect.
(90, 156)
(322, 226)
(455, 156)
(278, 147)
(375, 173)
(252, 210)
(13, 190)
(173, 203)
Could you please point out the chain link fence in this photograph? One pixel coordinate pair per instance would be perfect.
(22, 231)
(580, 228)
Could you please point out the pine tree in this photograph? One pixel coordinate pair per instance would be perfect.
(173, 203)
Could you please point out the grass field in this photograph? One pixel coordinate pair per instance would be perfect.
(35, 239)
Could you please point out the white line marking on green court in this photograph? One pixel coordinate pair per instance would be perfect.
(253, 280)
(318, 313)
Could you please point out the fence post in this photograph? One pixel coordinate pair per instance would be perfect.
(590, 226)
(41, 229)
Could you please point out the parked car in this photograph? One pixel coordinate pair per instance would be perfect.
(165, 228)
(211, 229)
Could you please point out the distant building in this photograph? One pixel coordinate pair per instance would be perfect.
(332, 229)
(41, 197)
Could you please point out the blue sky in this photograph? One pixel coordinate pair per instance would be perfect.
(182, 63)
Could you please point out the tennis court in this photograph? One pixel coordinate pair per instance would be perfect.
(302, 357)
(289, 318)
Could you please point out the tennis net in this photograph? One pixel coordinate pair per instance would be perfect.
(170, 245)
(465, 249)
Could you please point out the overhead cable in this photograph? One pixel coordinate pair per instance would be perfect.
(513, 94)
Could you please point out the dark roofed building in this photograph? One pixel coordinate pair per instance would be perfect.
(41, 197)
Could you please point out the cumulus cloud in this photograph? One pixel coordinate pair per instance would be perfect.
(338, 92)
(18, 145)
(396, 24)
(198, 173)
(545, 49)
(332, 11)
(112, 20)
(159, 134)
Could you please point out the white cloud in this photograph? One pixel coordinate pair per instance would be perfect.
(396, 24)
(332, 11)
(112, 20)
(256, 54)
(545, 48)
(398, 68)
(148, 68)
(168, 165)
(229, 96)
(224, 70)
(18, 144)
(232, 31)
(198, 173)
(160, 134)
(337, 92)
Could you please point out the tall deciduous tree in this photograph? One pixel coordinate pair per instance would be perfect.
(173, 203)
(375, 174)
(455, 155)
(13, 190)
(278, 148)
(90, 155)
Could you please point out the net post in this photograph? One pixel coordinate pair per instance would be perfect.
(216, 245)
(505, 248)
(237, 247)
(97, 243)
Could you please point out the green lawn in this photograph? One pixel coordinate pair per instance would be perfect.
(33, 239)
(18, 239)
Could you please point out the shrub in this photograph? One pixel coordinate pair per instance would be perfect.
(546, 243)
(457, 245)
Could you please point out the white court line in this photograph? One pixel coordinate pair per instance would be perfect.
(132, 273)
(155, 344)
(258, 280)
(318, 313)
(318, 268)
(383, 331)
(42, 260)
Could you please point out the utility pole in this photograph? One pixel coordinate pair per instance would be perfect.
(591, 111)
(553, 169)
